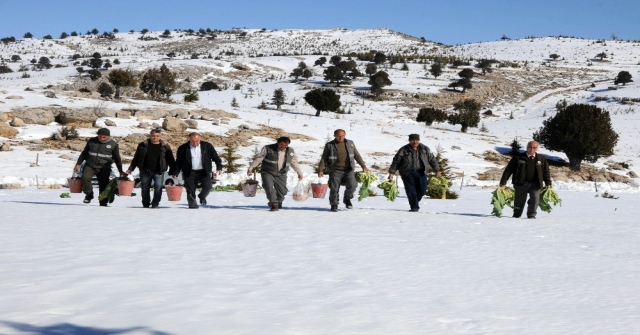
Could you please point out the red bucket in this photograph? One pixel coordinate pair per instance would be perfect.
(319, 190)
(125, 187)
(75, 185)
(174, 193)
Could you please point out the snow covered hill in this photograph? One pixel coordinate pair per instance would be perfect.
(234, 268)
(521, 90)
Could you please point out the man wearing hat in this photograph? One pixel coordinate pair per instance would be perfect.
(413, 161)
(99, 153)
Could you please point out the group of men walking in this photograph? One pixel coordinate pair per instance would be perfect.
(195, 160)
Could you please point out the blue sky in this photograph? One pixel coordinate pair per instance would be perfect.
(447, 21)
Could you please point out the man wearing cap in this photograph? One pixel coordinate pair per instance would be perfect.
(340, 157)
(276, 159)
(194, 160)
(153, 158)
(413, 161)
(99, 153)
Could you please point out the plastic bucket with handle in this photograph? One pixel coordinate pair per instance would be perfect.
(319, 190)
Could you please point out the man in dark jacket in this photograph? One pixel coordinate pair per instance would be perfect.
(194, 160)
(340, 157)
(98, 155)
(153, 158)
(529, 171)
(413, 161)
(276, 159)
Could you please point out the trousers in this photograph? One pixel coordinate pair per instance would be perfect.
(146, 177)
(337, 177)
(415, 186)
(275, 186)
(190, 182)
(522, 191)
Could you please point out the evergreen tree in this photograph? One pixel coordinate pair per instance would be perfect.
(554, 56)
(278, 98)
(320, 61)
(430, 115)
(323, 100)
(191, 96)
(159, 82)
(466, 73)
(306, 73)
(485, 65)
(94, 74)
(208, 86)
(333, 74)
(44, 62)
(95, 63)
(230, 158)
(121, 78)
(436, 70)
(28, 35)
(378, 81)
(445, 171)
(623, 78)
(581, 131)
(515, 147)
(468, 114)
(371, 69)
(379, 58)
(105, 89)
(297, 72)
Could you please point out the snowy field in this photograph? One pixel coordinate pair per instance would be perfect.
(235, 268)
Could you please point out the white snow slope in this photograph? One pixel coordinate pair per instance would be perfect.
(235, 268)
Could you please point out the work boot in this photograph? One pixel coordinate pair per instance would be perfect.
(348, 203)
(87, 198)
(334, 208)
(274, 208)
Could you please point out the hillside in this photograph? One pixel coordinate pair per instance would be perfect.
(248, 65)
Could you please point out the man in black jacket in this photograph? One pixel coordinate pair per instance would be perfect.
(413, 161)
(529, 171)
(99, 153)
(194, 160)
(153, 158)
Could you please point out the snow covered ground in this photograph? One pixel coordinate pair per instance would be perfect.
(235, 268)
